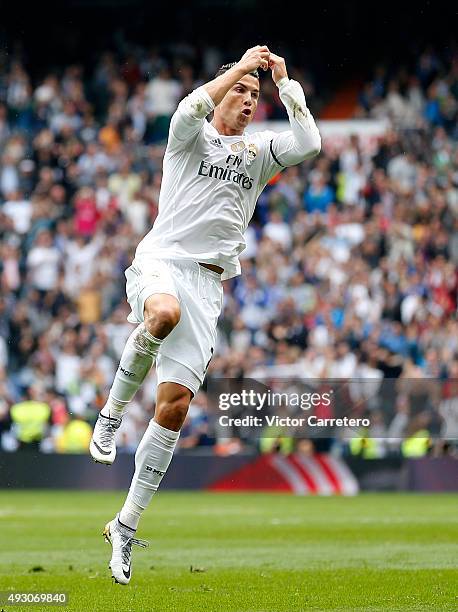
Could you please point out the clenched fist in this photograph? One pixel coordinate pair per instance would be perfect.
(256, 57)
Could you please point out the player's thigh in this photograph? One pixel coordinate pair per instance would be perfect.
(192, 342)
(171, 371)
(145, 278)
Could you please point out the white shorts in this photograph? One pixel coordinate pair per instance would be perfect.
(186, 352)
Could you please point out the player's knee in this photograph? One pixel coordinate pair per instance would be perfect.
(162, 316)
(172, 413)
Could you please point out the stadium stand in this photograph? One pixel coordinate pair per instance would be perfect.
(351, 261)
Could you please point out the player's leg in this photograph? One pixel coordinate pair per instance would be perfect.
(155, 450)
(161, 315)
(181, 367)
(152, 459)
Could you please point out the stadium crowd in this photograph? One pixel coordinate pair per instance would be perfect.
(350, 269)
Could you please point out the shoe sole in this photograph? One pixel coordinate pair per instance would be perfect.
(101, 462)
(97, 458)
(106, 534)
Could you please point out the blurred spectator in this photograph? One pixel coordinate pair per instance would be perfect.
(319, 195)
(278, 231)
(19, 210)
(75, 437)
(196, 431)
(43, 263)
(162, 96)
(30, 419)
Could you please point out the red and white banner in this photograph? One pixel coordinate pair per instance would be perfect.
(303, 475)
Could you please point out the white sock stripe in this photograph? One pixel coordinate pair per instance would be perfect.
(143, 342)
(115, 400)
(168, 434)
(152, 338)
(166, 447)
(152, 486)
(114, 408)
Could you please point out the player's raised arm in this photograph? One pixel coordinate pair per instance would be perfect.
(303, 140)
(252, 59)
(188, 119)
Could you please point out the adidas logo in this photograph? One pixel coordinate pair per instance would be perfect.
(217, 142)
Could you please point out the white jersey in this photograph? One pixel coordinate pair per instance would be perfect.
(211, 182)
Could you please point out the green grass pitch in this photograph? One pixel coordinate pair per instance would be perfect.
(236, 552)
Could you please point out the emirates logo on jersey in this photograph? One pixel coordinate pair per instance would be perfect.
(229, 173)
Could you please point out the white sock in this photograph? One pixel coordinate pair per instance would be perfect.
(136, 360)
(153, 457)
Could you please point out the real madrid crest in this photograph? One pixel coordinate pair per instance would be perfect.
(251, 154)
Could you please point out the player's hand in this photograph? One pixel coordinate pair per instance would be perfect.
(256, 57)
(278, 66)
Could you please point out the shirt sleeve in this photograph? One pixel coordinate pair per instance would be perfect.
(303, 140)
(188, 119)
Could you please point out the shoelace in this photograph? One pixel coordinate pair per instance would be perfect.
(108, 431)
(126, 545)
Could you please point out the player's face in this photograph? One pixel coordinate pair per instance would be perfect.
(239, 104)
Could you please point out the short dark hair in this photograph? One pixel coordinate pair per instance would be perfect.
(225, 67)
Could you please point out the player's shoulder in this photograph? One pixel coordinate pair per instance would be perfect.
(207, 131)
(262, 136)
(261, 140)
